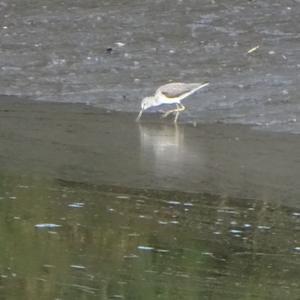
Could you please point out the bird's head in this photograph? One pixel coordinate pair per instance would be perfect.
(145, 104)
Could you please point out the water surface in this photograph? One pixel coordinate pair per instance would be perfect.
(62, 240)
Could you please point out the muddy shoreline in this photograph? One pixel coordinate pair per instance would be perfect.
(83, 144)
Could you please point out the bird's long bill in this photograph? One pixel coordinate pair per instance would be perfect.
(139, 116)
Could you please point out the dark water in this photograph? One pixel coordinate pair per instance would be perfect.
(129, 244)
(111, 53)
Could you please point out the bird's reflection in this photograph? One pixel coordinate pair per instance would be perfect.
(161, 138)
(163, 148)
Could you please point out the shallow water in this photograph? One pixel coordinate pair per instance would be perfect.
(116, 243)
(83, 144)
(110, 54)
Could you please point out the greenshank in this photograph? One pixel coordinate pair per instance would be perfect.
(169, 94)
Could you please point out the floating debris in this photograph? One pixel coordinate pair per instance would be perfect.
(118, 296)
(236, 231)
(181, 274)
(162, 250)
(253, 49)
(228, 211)
(163, 222)
(247, 225)
(52, 232)
(145, 217)
(47, 225)
(263, 227)
(120, 44)
(84, 288)
(48, 266)
(213, 256)
(78, 267)
(76, 205)
(174, 222)
(123, 197)
(133, 234)
(130, 256)
(174, 202)
(146, 248)
(20, 186)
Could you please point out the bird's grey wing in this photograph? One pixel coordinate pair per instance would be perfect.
(176, 89)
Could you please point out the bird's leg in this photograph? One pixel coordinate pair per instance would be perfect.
(177, 114)
(180, 108)
(168, 113)
(139, 116)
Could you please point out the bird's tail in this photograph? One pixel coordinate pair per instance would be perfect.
(202, 85)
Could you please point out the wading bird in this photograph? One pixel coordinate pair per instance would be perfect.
(169, 94)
